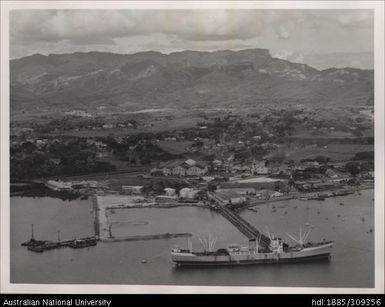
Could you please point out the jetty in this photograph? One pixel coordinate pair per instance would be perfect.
(146, 237)
(241, 224)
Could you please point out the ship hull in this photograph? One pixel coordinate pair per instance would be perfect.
(307, 254)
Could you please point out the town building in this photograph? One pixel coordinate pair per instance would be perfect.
(179, 171)
(260, 168)
(132, 189)
(240, 191)
(231, 197)
(188, 193)
(169, 191)
(197, 170)
(58, 185)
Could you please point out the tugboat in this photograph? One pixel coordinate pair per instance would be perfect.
(274, 253)
(85, 242)
(33, 242)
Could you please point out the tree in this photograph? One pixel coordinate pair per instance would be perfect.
(364, 155)
(353, 168)
(322, 159)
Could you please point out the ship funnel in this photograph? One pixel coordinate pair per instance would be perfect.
(189, 244)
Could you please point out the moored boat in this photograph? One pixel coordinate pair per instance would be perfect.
(80, 243)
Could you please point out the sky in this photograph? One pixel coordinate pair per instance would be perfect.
(284, 32)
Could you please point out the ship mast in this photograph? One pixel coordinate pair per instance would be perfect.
(209, 243)
(302, 238)
(32, 234)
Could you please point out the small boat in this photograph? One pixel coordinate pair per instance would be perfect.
(80, 243)
(144, 261)
(33, 242)
(341, 204)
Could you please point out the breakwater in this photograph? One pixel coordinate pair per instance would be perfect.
(146, 237)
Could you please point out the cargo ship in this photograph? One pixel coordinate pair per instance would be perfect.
(276, 252)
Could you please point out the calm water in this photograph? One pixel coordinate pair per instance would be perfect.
(352, 263)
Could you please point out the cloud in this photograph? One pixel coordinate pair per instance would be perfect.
(289, 55)
(76, 24)
(128, 30)
(282, 32)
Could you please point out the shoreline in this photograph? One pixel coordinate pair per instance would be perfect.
(264, 202)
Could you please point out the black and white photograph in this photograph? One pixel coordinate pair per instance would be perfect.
(192, 144)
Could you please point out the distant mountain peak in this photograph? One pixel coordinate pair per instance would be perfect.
(186, 78)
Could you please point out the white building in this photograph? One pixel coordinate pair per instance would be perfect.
(240, 191)
(197, 170)
(260, 167)
(166, 171)
(231, 197)
(179, 171)
(59, 185)
(187, 193)
(276, 194)
(169, 191)
(190, 162)
(132, 189)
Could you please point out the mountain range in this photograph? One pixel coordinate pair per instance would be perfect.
(187, 79)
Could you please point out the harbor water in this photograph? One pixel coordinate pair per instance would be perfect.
(347, 220)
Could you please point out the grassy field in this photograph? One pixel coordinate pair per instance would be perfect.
(334, 151)
(116, 180)
(174, 147)
(154, 127)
